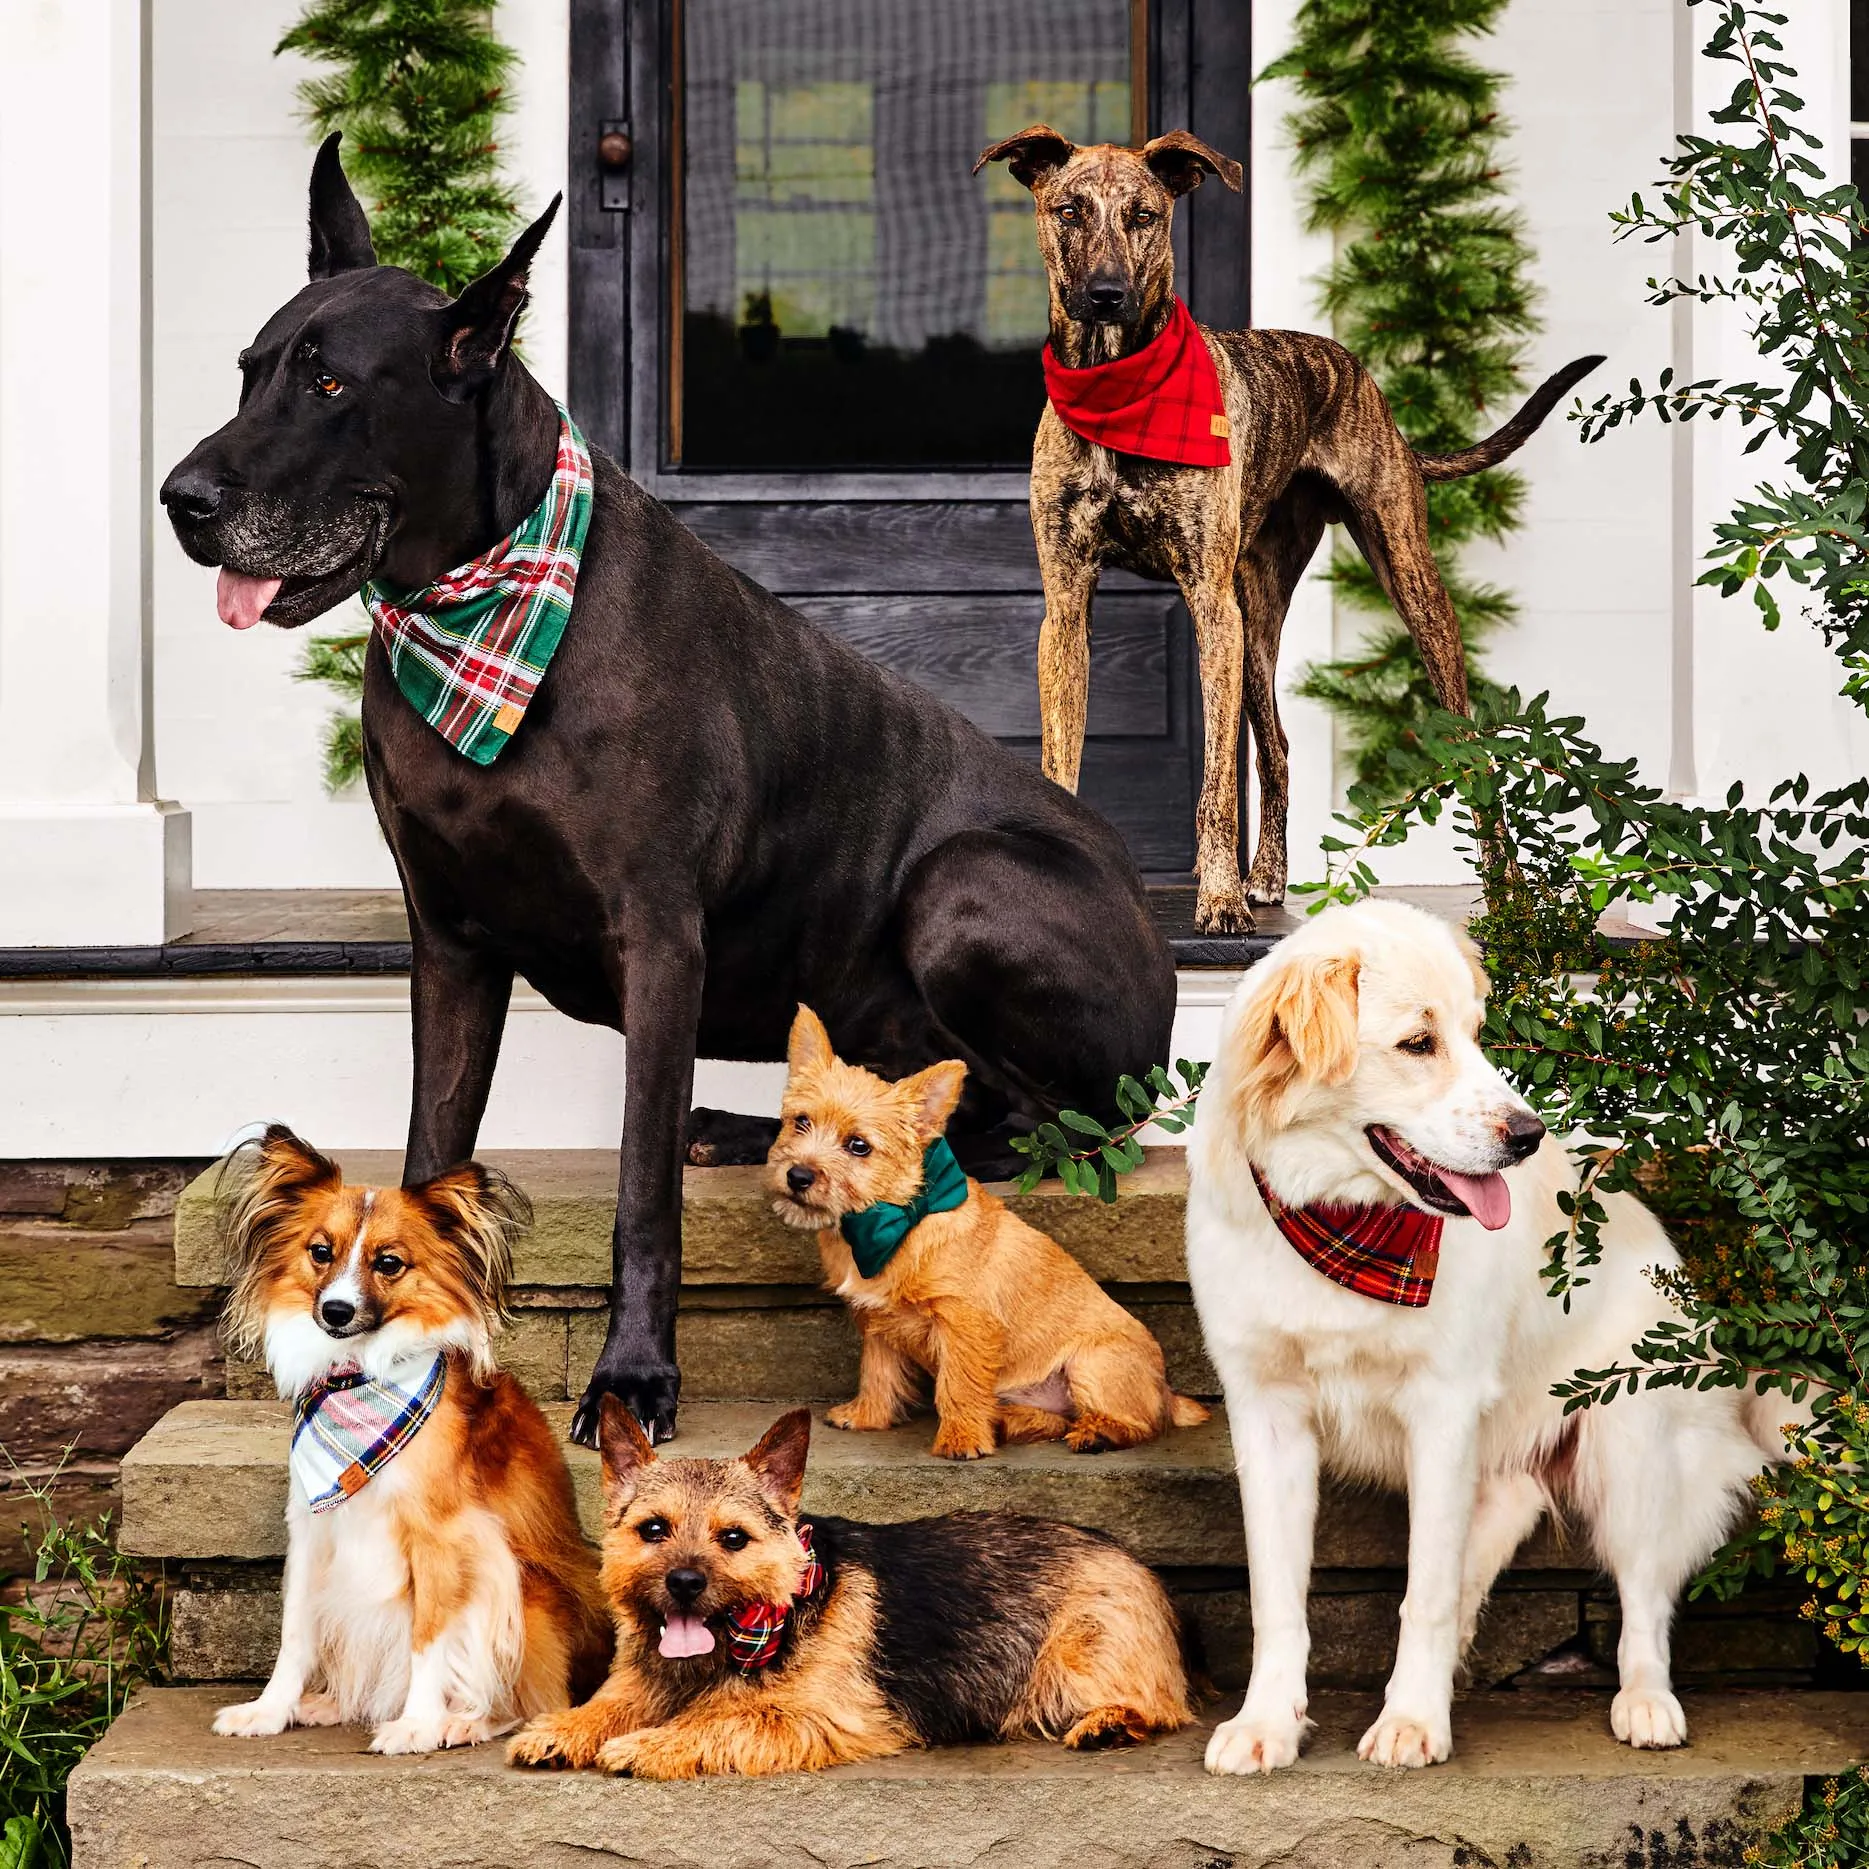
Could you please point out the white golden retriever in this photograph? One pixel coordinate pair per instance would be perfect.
(1348, 1072)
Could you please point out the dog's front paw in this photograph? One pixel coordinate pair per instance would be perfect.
(653, 1753)
(1222, 911)
(962, 1442)
(253, 1719)
(316, 1710)
(854, 1417)
(553, 1743)
(1650, 1721)
(1401, 1739)
(647, 1388)
(409, 1735)
(1250, 1743)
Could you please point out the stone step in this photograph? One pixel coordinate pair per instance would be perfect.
(1536, 1783)
(730, 1236)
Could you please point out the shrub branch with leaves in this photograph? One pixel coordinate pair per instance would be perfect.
(418, 88)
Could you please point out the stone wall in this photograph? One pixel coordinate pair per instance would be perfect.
(97, 1340)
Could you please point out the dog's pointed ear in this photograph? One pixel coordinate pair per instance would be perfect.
(477, 329)
(809, 1047)
(1031, 155)
(1180, 160)
(1300, 1029)
(626, 1450)
(340, 232)
(778, 1462)
(934, 1093)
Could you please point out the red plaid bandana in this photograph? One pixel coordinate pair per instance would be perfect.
(1387, 1253)
(754, 1632)
(1162, 402)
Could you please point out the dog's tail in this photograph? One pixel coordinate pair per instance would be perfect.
(1185, 1412)
(1516, 433)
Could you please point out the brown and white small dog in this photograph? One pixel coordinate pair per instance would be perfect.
(755, 1639)
(1349, 1087)
(1022, 1343)
(437, 1586)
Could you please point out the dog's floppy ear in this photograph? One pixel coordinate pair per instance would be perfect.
(484, 1214)
(264, 1184)
(626, 1451)
(935, 1092)
(477, 329)
(1301, 1029)
(809, 1048)
(1031, 155)
(778, 1462)
(340, 235)
(1180, 160)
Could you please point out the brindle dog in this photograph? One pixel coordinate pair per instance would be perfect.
(1313, 445)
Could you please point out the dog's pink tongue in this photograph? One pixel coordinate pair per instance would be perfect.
(1486, 1197)
(242, 600)
(683, 1636)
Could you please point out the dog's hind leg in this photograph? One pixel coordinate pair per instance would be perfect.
(1020, 1425)
(725, 1139)
(1119, 1393)
(1505, 1514)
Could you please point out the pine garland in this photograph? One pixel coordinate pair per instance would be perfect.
(1399, 138)
(418, 88)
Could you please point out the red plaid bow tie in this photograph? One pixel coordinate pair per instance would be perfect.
(754, 1632)
(1386, 1253)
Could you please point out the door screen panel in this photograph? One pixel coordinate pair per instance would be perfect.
(846, 294)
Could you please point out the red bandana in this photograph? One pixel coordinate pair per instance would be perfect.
(753, 1632)
(1162, 401)
(1388, 1253)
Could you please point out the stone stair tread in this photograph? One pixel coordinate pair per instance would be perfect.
(730, 1236)
(1174, 1502)
(1536, 1781)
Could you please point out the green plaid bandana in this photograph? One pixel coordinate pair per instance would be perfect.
(468, 650)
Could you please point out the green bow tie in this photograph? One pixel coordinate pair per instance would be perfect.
(874, 1234)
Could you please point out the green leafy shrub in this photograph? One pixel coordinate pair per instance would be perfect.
(89, 1629)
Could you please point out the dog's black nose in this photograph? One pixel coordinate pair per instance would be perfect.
(799, 1178)
(1523, 1134)
(685, 1586)
(1106, 295)
(189, 494)
(335, 1313)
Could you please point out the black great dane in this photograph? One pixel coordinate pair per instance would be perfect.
(711, 811)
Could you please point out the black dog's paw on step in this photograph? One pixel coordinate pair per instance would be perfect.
(650, 1392)
(723, 1139)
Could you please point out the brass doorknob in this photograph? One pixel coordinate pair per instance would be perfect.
(614, 149)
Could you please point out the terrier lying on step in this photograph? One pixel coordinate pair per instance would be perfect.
(752, 1640)
(1022, 1343)
(437, 1585)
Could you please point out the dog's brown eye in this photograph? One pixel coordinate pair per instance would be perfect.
(1069, 214)
(857, 1146)
(387, 1264)
(802, 1124)
(1420, 1046)
(733, 1539)
(327, 385)
(652, 1531)
(321, 1253)
(1142, 217)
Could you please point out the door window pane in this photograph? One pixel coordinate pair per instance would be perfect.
(848, 294)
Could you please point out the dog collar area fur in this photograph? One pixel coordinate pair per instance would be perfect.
(469, 650)
(1162, 402)
(1387, 1253)
(755, 1631)
(348, 1427)
(874, 1234)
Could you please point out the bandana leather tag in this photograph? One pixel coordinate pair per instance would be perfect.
(1387, 1253)
(755, 1631)
(468, 650)
(1162, 402)
(349, 1427)
(874, 1234)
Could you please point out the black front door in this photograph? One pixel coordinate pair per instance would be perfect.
(799, 319)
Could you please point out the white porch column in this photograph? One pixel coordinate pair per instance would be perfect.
(88, 854)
